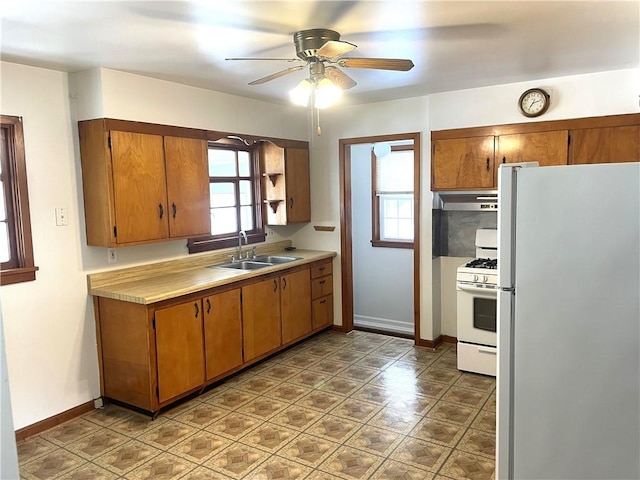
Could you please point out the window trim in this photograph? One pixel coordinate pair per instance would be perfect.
(257, 235)
(23, 269)
(375, 207)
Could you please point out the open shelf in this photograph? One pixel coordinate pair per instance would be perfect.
(274, 204)
(273, 177)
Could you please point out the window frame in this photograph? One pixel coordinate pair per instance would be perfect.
(21, 268)
(257, 234)
(376, 241)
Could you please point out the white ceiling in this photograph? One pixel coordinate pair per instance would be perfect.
(454, 45)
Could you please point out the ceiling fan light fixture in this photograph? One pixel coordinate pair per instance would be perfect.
(300, 94)
(326, 93)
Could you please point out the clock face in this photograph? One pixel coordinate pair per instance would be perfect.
(534, 102)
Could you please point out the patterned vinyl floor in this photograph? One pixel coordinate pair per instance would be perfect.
(357, 406)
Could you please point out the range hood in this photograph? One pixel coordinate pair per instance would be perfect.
(468, 200)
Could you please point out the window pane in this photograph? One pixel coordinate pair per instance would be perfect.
(246, 218)
(389, 207)
(222, 194)
(223, 220)
(222, 163)
(389, 228)
(244, 169)
(405, 229)
(245, 192)
(405, 209)
(5, 256)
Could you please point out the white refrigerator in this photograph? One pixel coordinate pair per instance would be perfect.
(568, 383)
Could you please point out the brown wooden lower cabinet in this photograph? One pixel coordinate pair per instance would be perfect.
(261, 317)
(295, 296)
(152, 355)
(179, 349)
(223, 332)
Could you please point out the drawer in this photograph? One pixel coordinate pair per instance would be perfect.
(322, 269)
(322, 312)
(321, 286)
(477, 358)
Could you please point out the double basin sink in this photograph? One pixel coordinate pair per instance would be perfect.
(255, 263)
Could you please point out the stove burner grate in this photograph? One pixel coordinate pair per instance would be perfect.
(483, 263)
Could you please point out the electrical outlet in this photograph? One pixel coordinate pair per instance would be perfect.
(270, 232)
(112, 255)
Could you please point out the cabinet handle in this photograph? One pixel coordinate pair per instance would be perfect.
(275, 285)
(174, 208)
(504, 159)
(208, 306)
(291, 202)
(321, 269)
(487, 164)
(321, 282)
(195, 305)
(324, 301)
(284, 283)
(160, 210)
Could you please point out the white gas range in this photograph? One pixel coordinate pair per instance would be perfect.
(476, 285)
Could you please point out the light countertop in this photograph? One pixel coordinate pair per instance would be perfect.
(166, 283)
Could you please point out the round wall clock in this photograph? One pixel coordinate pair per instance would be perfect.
(533, 102)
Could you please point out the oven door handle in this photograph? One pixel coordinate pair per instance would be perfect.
(473, 289)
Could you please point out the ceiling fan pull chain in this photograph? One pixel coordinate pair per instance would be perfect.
(318, 129)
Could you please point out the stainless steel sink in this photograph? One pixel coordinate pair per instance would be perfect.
(243, 265)
(274, 259)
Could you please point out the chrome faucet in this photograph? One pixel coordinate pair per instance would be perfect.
(241, 235)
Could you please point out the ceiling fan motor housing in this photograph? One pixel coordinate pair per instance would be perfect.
(308, 42)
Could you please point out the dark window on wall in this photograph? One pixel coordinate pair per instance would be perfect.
(234, 189)
(392, 198)
(16, 250)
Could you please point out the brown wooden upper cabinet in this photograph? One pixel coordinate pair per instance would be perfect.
(546, 148)
(142, 187)
(605, 145)
(469, 159)
(285, 184)
(462, 163)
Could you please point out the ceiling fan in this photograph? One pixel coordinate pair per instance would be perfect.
(321, 50)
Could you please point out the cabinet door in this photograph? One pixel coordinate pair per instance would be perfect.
(605, 145)
(139, 187)
(187, 186)
(179, 349)
(322, 311)
(295, 300)
(261, 318)
(297, 182)
(546, 148)
(462, 164)
(222, 332)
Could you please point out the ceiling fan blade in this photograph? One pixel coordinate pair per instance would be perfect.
(265, 58)
(399, 64)
(340, 78)
(333, 49)
(279, 74)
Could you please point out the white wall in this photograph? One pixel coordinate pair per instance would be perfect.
(382, 277)
(49, 323)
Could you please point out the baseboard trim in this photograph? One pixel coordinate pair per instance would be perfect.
(448, 339)
(383, 324)
(339, 329)
(51, 422)
(383, 332)
(421, 342)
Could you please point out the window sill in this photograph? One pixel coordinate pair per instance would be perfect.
(388, 244)
(18, 275)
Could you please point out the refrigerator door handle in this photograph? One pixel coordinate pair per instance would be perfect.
(507, 289)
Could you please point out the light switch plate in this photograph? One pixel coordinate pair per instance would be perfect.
(62, 217)
(112, 255)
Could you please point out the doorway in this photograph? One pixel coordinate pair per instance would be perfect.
(346, 156)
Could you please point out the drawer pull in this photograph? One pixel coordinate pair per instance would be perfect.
(321, 282)
(487, 164)
(322, 269)
(324, 301)
(197, 309)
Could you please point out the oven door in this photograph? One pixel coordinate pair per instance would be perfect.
(477, 314)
